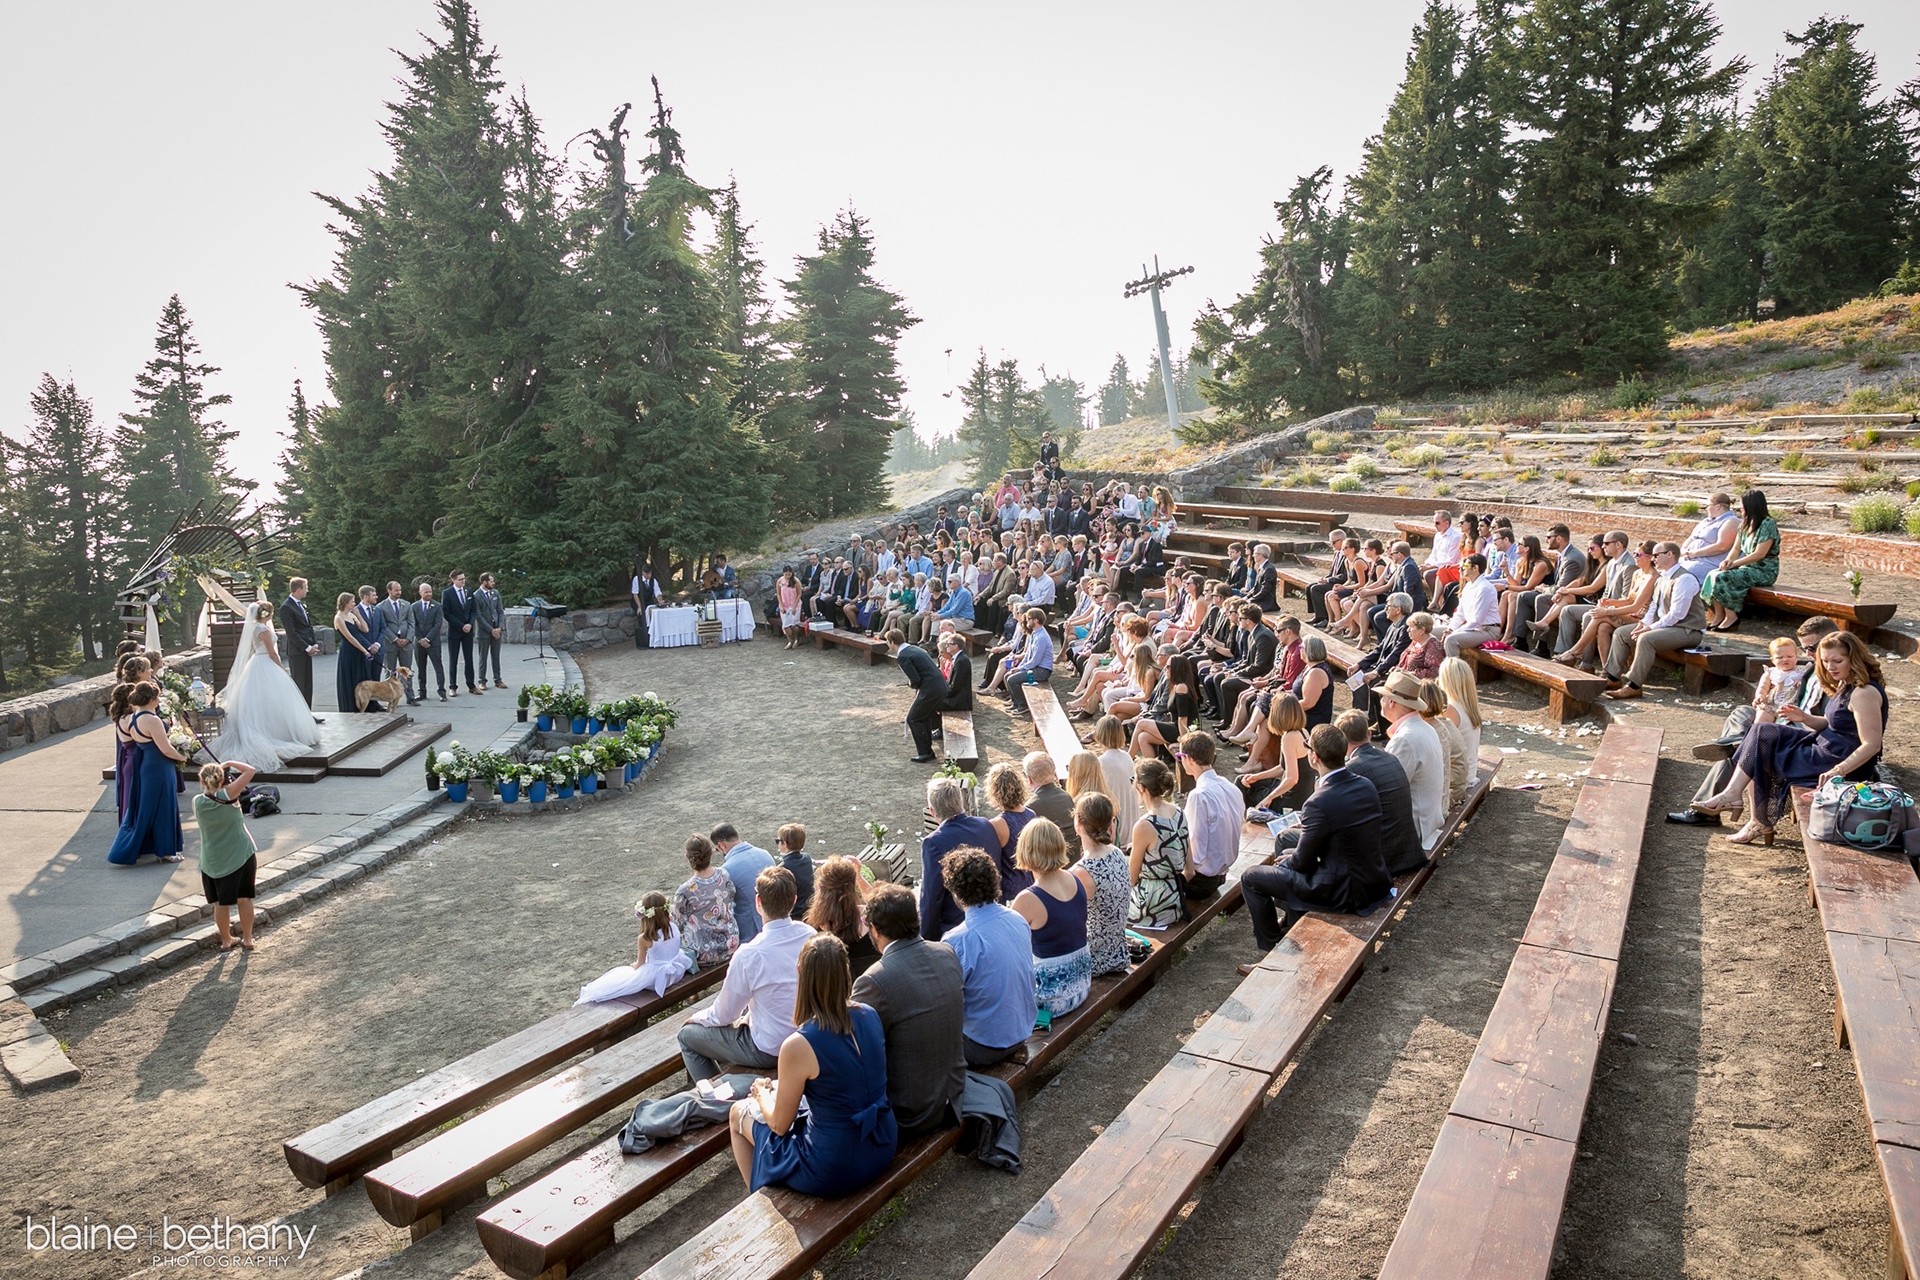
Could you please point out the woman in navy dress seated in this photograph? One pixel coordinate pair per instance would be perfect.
(151, 821)
(1843, 742)
(837, 1062)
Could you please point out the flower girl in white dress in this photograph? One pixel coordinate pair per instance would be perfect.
(658, 965)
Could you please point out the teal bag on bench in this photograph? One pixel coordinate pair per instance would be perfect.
(1865, 815)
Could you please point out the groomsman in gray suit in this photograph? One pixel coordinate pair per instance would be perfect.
(398, 615)
(489, 614)
(427, 623)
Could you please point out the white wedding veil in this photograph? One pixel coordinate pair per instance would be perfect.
(243, 651)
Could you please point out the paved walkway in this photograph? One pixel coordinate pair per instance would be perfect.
(55, 882)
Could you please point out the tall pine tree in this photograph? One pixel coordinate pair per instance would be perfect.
(1066, 405)
(20, 566)
(1116, 394)
(1837, 170)
(846, 328)
(1720, 259)
(658, 468)
(172, 451)
(981, 432)
(293, 501)
(1427, 298)
(1612, 96)
(68, 514)
(436, 321)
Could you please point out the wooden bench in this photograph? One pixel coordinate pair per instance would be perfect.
(1858, 616)
(1259, 517)
(1571, 692)
(1706, 668)
(1870, 912)
(416, 1189)
(1417, 532)
(957, 740)
(1057, 733)
(775, 1232)
(872, 647)
(1112, 1206)
(333, 1154)
(1490, 1200)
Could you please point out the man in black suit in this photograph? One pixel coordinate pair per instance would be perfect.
(1263, 580)
(930, 690)
(1079, 524)
(1049, 455)
(298, 644)
(810, 579)
(917, 989)
(1337, 575)
(1262, 644)
(458, 607)
(1338, 863)
(1058, 518)
(953, 651)
(1399, 837)
(1403, 578)
(646, 593)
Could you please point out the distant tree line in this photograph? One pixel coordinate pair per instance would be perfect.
(1558, 186)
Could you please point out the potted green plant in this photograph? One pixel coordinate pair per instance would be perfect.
(535, 778)
(455, 767)
(545, 699)
(562, 770)
(433, 773)
(526, 696)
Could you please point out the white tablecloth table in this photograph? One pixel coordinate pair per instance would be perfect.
(670, 626)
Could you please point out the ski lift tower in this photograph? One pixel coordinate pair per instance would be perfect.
(1150, 283)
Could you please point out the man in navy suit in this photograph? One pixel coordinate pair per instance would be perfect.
(1403, 576)
(958, 829)
(457, 605)
(376, 640)
(1339, 863)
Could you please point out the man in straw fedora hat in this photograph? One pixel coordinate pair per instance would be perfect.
(1415, 744)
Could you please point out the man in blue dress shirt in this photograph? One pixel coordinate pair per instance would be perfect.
(995, 946)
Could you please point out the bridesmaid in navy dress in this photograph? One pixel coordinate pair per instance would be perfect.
(837, 1060)
(350, 664)
(133, 669)
(1844, 742)
(151, 823)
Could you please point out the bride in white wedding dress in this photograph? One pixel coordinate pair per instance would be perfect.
(268, 722)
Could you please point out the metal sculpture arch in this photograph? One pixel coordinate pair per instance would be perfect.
(213, 531)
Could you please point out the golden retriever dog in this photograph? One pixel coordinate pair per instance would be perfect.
(390, 692)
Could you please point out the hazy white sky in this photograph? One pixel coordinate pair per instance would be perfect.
(1018, 162)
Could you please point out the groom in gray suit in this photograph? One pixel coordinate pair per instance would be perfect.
(398, 616)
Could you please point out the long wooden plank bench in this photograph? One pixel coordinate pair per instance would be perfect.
(1057, 733)
(776, 1234)
(1571, 692)
(956, 738)
(1870, 912)
(417, 1188)
(1490, 1199)
(1857, 616)
(1112, 1206)
(871, 648)
(1416, 532)
(1259, 517)
(333, 1154)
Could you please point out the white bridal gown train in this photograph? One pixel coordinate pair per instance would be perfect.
(268, 722)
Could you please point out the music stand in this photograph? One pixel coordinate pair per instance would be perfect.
(543, 610)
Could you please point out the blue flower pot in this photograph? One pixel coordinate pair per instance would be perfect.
(579, 724)
(617, 726)
(589, 785)
(509, 792)
(633, 771)
(566, 791)
(543, 722)
(593, 725)
(457, 792)
(537, 793)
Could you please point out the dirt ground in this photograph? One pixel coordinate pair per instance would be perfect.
(1726, 1135)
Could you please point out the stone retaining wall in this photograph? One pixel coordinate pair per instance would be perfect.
(41, 715)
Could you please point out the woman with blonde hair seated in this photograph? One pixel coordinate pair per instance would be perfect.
(1463, 704)
(1109, 739)
(1055, 909)
(1460, 766)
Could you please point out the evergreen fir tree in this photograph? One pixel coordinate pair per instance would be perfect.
(292, 502)
(23, 623)
(748, 332)
(982, 433)
(846, 327)
(1020, 413)
(172, 451)
(1066, 402)
(1720, 264)
(657, 467)
(1273, 349)
(67, 514)
(1837, 170)
(1612, 95)
(1428, 303)
(1116, 394)
(436, 319)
